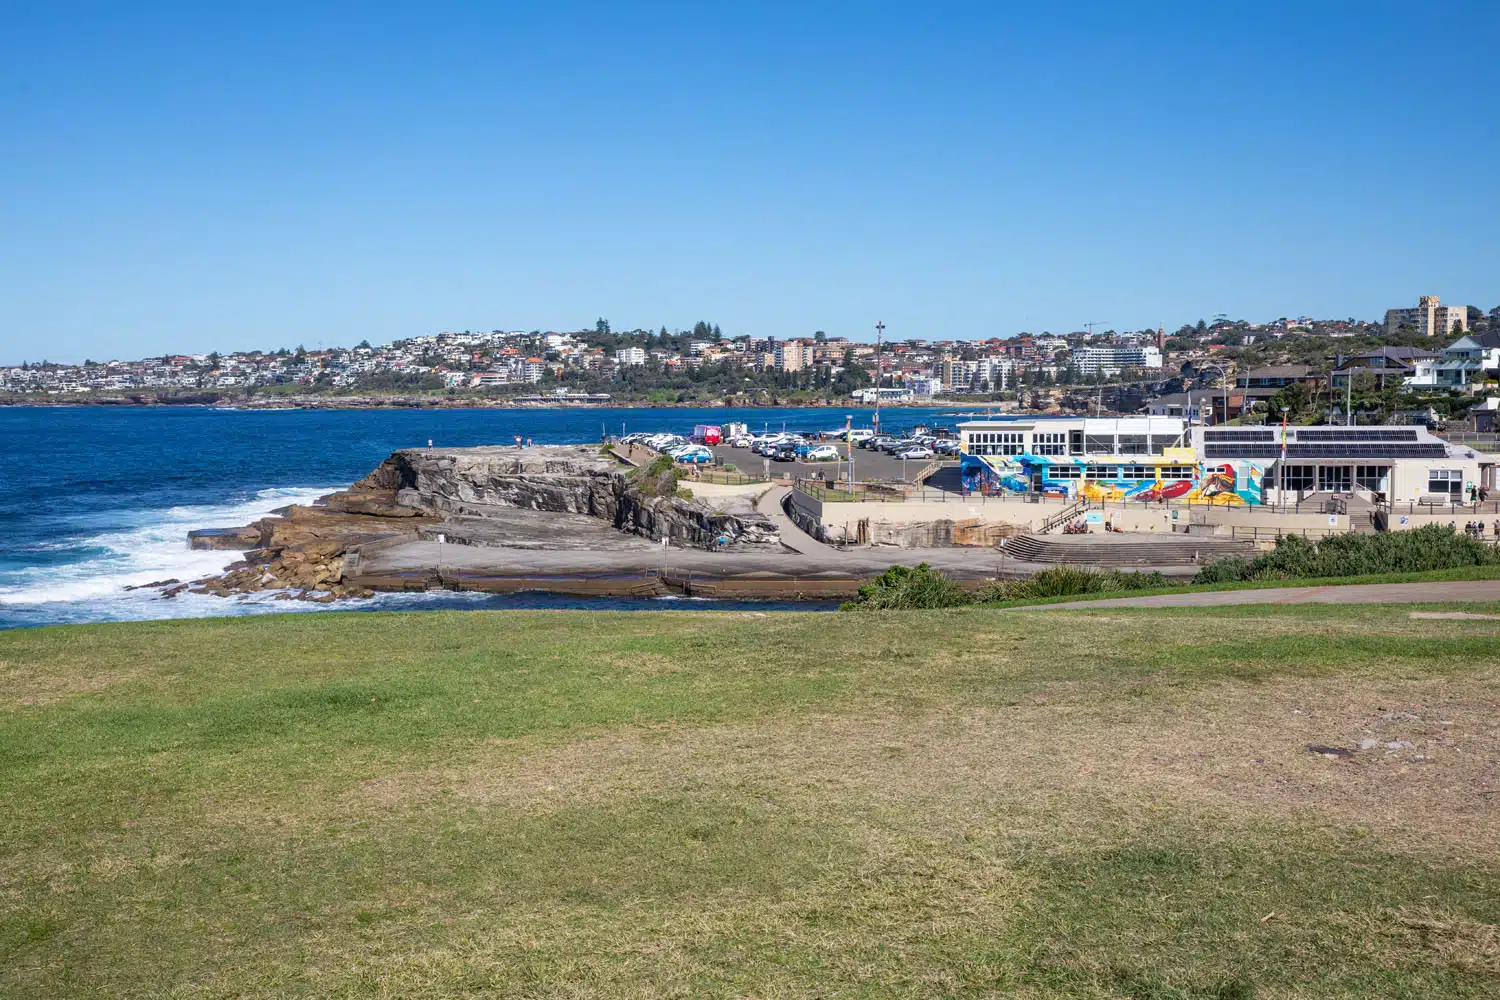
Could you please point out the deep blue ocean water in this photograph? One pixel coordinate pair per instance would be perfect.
(96, 499)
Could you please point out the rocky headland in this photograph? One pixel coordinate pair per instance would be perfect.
(535, 500)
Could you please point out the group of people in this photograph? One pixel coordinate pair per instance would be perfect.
(1475, 529)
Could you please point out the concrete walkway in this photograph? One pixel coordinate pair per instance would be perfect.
(793, 537)
(1362, 593)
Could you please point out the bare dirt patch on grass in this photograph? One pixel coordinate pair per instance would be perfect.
(1423, 756)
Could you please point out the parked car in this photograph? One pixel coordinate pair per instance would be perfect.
(917, 451)
(743, 441)
(784, 452)
(878, 442)
(822, 453)
(860, 435)
(694, 455)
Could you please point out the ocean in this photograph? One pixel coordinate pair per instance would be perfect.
(98, 499)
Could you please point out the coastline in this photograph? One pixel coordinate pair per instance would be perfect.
(470, 403)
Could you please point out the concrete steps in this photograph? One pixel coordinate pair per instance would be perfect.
(1123, 550)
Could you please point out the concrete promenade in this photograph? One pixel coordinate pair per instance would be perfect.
(1361, 593)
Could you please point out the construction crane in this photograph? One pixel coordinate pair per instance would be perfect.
(1093, 323)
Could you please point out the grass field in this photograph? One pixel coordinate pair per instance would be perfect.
(963, 803)
(1299, 583)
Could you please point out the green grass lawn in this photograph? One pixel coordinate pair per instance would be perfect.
(1423, 576)
(1093, 804)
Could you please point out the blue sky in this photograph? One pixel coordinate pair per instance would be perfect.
(217, 176)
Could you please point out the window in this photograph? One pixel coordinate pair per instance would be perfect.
(1297, 478)
(1099, 444)
(1137, 472)
(1375, 478)
(1334, 478)
(1103, 472)
(1177, 472)
(1049, 443)
(1133, 444)
(1450, 481)
(1160, 444)
(1063, 471)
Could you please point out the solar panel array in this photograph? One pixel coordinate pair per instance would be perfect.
(1352, 435)
(1329, 449)
(1238, 436)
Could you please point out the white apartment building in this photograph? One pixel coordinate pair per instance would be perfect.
(1113, 360)
(630, 356)
(1430, 318)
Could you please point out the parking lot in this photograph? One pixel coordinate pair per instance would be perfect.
(868, 465)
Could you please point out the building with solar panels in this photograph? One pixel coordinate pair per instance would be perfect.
(1396, 464)
(1164, 459)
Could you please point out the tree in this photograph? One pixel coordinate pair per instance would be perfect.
(819, 336)
(364, 344)
(601, 326)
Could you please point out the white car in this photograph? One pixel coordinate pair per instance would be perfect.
(743, 441)
(920, 451)
(822, 453)
(860, 434)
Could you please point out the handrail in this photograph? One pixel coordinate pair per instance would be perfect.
(1066, 514)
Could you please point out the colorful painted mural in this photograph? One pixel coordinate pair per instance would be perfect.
(1227, 483)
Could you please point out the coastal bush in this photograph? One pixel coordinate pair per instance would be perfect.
(907, 588)
(659, 479)
(1430, 547)
(1067, 581)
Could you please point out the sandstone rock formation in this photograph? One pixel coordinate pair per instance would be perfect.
(303, 550)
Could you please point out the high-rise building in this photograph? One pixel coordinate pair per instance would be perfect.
(1430, 318)
(630, 356)
(792, 355)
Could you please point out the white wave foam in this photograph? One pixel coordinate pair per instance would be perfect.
(156, 549)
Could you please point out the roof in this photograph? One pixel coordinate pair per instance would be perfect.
(1406, 354)
(1190, 398)
(1279, 371)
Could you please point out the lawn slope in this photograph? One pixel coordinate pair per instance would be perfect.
(962, 803)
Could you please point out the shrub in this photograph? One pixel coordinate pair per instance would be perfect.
(1068, 581)
(905, 587)
(1227, 570)
(1429, 547)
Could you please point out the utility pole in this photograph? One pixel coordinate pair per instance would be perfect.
(879, 330)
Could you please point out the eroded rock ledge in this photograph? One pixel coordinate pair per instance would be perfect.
(470, 496)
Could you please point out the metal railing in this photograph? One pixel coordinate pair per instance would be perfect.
(1063, 516)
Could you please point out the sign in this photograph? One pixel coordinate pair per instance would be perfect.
(1094, 517)
(1405, 519)
(1333, 520)
(1174, 515)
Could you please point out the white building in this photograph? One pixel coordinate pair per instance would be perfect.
(1113, 360)
(630, 356)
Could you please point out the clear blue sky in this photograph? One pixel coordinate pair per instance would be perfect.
(207, 176)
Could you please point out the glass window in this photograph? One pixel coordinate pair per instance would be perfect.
(1297, 477)
(1099, 444)
(1450, 481)
(1133, 444)
(1375, 478)
(1103, 471)
(1063, 472)
(1334, 478)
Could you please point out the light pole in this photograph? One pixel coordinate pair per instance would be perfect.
(879, 330)
(1281, 463)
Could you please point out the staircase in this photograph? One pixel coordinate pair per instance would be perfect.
(1124, 550)
(1068, 513)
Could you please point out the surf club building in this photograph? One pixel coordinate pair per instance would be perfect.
(1156, 458)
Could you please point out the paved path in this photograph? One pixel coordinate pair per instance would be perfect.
(1361, 593)
(792, 536)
